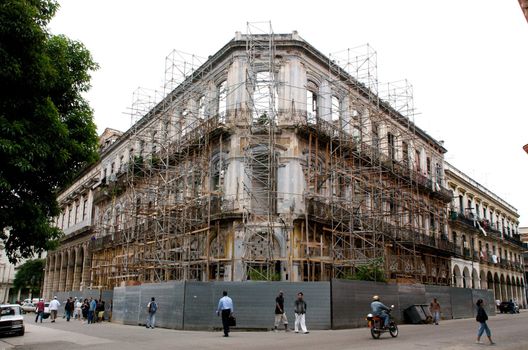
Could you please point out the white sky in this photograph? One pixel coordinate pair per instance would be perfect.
(467, 61)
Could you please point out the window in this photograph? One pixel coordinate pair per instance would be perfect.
(461, 203)
(84, 211)
(70, 213)
(121, 163)
(104, 174)
(112, 166)
(392, 149)
(311, 102)
(375, 137)
(222, 101)
(265, 101)
(201, 108)
(76, 218)
(356, 134)
(428, 169)
(405, 152)
(485, 212)
(335, 109)
(417, 161)
(63, 218)
(477, 210)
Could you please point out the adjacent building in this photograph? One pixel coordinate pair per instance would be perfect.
(484, 229)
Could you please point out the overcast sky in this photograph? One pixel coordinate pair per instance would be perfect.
(467, 61)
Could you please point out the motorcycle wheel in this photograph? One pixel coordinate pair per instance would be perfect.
(393, 330)
(375, 333)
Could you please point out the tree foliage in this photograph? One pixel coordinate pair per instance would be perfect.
(47, 133)
(30, 275)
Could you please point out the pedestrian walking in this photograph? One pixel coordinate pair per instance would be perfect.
(68, 308)
(435, 310)
(84, 310)
(225, 308)
(152, 307)
(92, 305)
(300, 313)
(100, 309)
(482, 317)
(39, 310)
(77, 313)
(54, 308)
(280, 315)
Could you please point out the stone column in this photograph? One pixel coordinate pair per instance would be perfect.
(63, 272)
(56, 274)
(70, 268)
(77, 269)
(44, 290)
(85, 274)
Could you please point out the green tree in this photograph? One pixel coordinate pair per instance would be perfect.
(30, 275)
(47, 133)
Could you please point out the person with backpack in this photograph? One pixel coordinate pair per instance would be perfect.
(152, 307)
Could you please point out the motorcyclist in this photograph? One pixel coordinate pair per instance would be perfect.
(380, 310)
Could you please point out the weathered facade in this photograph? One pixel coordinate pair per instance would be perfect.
(484, 229)
(69, 267)
(268, 161)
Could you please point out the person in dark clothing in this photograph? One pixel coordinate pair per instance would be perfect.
(482, 317)
(84, 309)
(300, 312)
(280, 315)
(68, 308)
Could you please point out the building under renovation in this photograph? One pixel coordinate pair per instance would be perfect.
(267, 161)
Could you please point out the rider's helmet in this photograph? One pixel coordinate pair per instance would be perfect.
(375, 298)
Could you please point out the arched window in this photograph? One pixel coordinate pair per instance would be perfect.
(265, 102)
(311, 102)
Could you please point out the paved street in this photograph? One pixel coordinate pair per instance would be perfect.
(508, 331)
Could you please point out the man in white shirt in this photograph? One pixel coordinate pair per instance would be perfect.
(54, 307)
(78, 312)
(225, 307)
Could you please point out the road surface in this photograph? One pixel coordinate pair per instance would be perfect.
(508, 332)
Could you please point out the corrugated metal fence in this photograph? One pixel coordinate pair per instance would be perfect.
(336, 304)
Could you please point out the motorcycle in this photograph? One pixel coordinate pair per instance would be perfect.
(375, 323)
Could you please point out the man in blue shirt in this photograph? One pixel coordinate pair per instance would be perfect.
(380, 310)
(225, 307)
(91, 310)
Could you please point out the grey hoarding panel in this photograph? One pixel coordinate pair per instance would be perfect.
(118, 312)
(351, 301)
(461, 302)
(254, 303)
(443, 296)
(132, 303)
(169, 297)
(488, 297)
(410, 294)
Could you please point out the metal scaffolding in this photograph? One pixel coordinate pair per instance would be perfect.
(369, 201)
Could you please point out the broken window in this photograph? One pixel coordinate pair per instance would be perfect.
(222, 101)
(335, 109)
(392, 148)
(265, 102)
(201, 107)
(311, 102)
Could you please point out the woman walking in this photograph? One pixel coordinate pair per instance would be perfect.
(482, 317)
